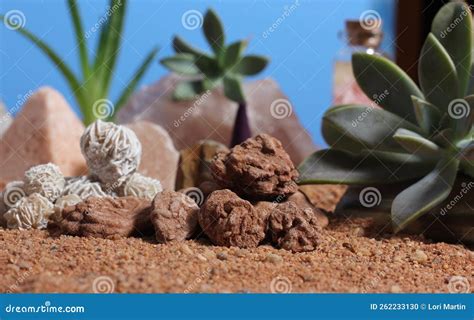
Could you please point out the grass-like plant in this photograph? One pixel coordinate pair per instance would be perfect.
(96, 78)
(422, 135)
(226, 67)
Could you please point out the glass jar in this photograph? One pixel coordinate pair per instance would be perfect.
(358, 38)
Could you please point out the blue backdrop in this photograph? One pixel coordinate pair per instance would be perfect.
(302, 48)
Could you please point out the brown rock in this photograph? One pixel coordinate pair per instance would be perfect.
(294, 229)
(325, 197)
(300, 199)
(231, 221)
(174, 216)
(212, 115)
(265, 208)
(104, 217)
(159, 156)
(258, 168)
(45, 130)
(195, 164)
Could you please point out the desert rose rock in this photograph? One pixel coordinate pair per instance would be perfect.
(107, 217)
(45, 130)
(45, 179)
(174, 216)
(258, 168)
(212, 115)
(30, 212)
(5, 119)
(140, 186)
(293, 228)
(231, 221)
(83, 187)
(159, 156)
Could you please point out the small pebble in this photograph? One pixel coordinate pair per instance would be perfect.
(395, 289)
(221, 256)
(420, 256)
(274, 258)
(186, 249)
(201, 257)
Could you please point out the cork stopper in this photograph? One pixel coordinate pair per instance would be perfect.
(364, 33)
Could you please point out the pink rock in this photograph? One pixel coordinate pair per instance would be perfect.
(212, 115)
(45, 130)
(159, 156)
(5, 118)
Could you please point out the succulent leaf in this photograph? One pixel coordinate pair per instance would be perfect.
(182, 63)
(181, 46)
(233, 53)
(187, 90)
(427, 115)
(341, 167)
(251, 65)
(416, 144)
(456, 40)
(424, 194)
(437, 74)
(233, 88)
(371, 127)
(384, 81)
(462, 118)
(214, 31)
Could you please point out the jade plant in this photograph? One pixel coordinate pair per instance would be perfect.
(419, 136)
(94, 84)
(226, 67)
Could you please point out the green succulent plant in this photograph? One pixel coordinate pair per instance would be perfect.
(226, 66)
(421, 135)
(94, 85)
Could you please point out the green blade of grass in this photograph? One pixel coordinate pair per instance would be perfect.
(109, 43)
(63, 68)
(80, 39)
(135, 80)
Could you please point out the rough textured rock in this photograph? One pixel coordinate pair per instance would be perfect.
(159, 155)
(300, 199)
(45, 179)
(322, 196)
(5, 118)
(258, 168)
(213, 117)
(231, 221)
(107, 217)
(294, 229)
(45, 130)
(30, 212)
(174, 216)
(63, 202)
(195, 165)
(83, 187)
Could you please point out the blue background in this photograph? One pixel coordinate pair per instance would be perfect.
(302, 48)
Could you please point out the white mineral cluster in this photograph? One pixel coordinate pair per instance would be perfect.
(83, 187)
(32, 211)
(45, 179)
(112, 152)
(140, 186)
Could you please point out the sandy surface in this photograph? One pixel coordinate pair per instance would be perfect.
(351, 259)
